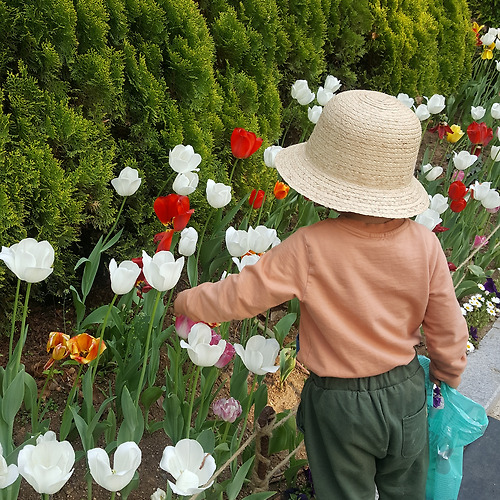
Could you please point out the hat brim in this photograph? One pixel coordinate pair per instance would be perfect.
(299, 172)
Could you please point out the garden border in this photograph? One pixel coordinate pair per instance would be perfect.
(481, 379)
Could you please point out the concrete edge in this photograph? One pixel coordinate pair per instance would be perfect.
(481, 379)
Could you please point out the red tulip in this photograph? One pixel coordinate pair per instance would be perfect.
(164, 240)
(458, 205)
(173, 211)
(244, 143)
(256, 198)
(280, 190)
(442, 129)
(479, 133)
(457, 190)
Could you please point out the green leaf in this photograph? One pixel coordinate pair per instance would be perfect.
(13, 397)
(263, 495)
(192, 270)
(207, 440)
(283, 326)
(234, 487)
(477, 270)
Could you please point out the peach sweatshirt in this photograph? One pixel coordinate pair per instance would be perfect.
(364, 291)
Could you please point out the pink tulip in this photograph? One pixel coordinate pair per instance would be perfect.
(458, 175)
(480, 241)
(227, 409)
(228, 353)
(183, 326)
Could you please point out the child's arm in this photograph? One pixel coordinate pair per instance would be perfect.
(278, 276)
(445, 327)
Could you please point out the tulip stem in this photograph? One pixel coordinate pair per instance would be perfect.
(146, 350)
(113, 495)
(249, 405)
(22, 337)
(116, 221)
(49, 378)
(233, 169)
(101, 335)
(226, 430)
(191, 403)
(14, 314)
(45, 496)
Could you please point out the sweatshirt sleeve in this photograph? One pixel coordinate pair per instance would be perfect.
(278, 276)
(445, 328)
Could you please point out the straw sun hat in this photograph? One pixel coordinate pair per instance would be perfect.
(360, 157)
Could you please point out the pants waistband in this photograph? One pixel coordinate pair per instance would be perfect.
(392, 377)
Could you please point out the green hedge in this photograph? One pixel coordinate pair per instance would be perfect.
(90, 86)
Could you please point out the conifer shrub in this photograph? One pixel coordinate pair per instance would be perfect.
(88, 87)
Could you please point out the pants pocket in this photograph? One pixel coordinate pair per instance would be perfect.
(414, 433)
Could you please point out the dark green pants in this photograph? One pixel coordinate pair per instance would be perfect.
(365, 432)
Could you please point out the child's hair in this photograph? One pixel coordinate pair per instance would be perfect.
(360, 157)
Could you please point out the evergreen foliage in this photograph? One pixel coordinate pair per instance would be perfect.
(88, 87)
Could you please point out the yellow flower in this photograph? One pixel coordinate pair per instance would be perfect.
(476, 28)
(455, 135)
(488, 52)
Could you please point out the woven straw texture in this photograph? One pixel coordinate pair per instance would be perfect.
(360, 157)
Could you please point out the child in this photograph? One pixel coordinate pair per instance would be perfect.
(366, 282)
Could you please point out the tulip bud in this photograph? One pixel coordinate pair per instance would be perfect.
(227, 409)
(127, 183)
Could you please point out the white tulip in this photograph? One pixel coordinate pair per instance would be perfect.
(123, 277)
(246, 260)
(126, 461)
(183, 159)
(259, 355)
(218, 194)
(199, 350)
(489, 198)
(495, 110)
(127, 182)
(406, 99)
(270, 155)
(434, 173)
(332, 83)
(162, 271)
(495, 153)
(159, 494)
(29, 259)
(8, 473)
(260, 238)
(323, 95)
(436, 104)
(187, 243)
(497, 62)
(430, 218)
(489, 37)
(189, 465)
(48, 465)
(463, 160)
(301, 92)
(425, 168)
(438, 203)
(477, 112)
(422, 112)
(314, 113)
(236, 242)
(185, 183)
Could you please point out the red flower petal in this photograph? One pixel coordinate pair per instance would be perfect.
(244, 143)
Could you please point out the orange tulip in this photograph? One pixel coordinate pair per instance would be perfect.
(281, 190)
(83, 348)
(56, 339)
(58, 343)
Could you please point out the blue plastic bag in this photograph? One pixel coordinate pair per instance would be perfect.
(458, 423)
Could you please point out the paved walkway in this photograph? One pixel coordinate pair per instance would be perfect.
(481, 382)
